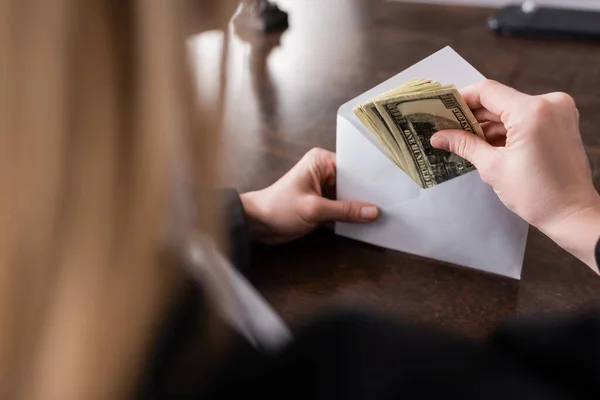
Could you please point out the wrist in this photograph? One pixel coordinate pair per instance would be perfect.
(578, 231)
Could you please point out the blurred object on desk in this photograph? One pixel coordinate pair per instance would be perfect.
(264, 15)
(272, 81)
(573, 4)
(530, 19)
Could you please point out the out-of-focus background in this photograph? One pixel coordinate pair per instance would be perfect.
(284, 89)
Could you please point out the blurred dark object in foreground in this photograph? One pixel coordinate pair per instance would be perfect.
(265, 16)
(530, 20)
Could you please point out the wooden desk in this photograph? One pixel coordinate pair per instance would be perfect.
(284, 94)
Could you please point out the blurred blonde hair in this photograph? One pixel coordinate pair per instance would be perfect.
(95, 96)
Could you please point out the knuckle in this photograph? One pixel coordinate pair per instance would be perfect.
(318, 157)
(347, 210)
(316, 152)
(491, 85)
(562, 99)
(352, 211)
(461, 147)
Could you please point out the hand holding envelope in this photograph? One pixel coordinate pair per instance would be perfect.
(461, 221)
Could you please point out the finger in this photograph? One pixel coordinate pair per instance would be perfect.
(322, 165)
(494, 131)
(483, 115)
(493, 96)
(467, 145)
(344, 211)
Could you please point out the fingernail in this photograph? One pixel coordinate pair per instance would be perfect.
(368, 213)
(440, 142)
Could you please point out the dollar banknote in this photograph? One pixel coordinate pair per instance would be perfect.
(404, 119)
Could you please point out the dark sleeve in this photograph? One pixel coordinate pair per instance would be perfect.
(178, 355)
(597, 253)
(236, 229)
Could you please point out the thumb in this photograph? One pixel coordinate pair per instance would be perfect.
(345, 211)
(464, 144)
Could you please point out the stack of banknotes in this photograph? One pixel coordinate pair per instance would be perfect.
(404, 119)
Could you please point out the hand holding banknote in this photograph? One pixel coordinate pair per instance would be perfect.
(404, 119)
(535, 161)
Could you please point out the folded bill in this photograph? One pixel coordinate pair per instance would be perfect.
(404, 119)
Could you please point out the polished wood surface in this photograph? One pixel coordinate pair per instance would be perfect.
(283, 94)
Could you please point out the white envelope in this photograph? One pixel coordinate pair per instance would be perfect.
(460, 221)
